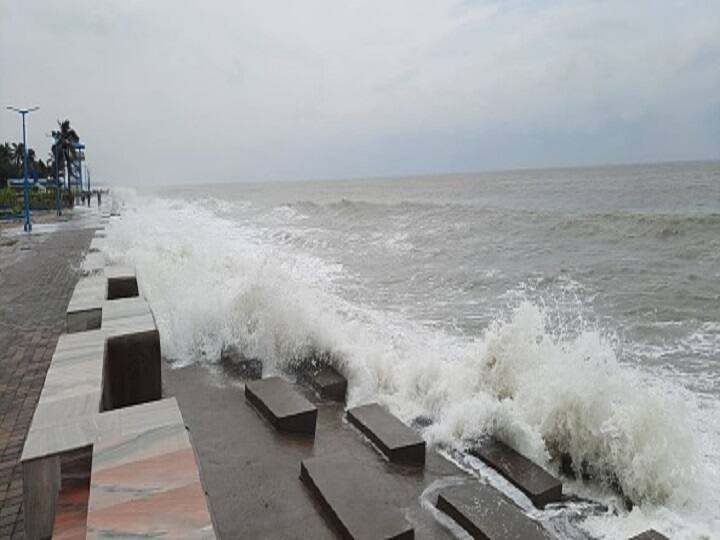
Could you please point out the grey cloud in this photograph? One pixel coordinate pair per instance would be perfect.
(169, 91)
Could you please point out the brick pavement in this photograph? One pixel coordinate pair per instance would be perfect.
(34, 292)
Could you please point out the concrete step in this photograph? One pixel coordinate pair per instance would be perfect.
(327, 382)
(486, 513)
(353, 503)
(398, 442)
(282, 405)
(540, 486)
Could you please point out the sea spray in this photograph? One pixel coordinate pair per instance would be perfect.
(214, 281)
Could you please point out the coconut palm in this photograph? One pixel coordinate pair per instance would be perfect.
(17, 154)
(65, 140)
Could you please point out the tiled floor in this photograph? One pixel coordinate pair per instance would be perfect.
(34, 292)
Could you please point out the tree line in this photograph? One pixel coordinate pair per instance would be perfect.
(63, 154)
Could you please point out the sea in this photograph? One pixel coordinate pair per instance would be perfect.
(568, 312)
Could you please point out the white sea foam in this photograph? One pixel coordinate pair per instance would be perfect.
(213, 281)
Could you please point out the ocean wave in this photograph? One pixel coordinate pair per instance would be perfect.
(213, 282)
(630, 225)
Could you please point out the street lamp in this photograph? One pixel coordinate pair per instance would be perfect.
(27, 227)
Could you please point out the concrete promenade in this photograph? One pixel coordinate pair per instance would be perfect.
(35, 289)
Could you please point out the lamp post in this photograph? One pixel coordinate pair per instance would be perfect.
(27, 227)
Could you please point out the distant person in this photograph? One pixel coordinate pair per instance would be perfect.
(88, 199)
(82, 198)
(99, 198)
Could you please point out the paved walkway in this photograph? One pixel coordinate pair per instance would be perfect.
(34, 292)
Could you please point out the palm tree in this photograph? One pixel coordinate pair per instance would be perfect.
(6, 166)
(65, 140)
(31, 158)
(17, 154)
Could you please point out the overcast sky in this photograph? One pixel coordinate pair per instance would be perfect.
(183, 90)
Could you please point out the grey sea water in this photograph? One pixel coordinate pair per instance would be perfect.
(634, 250)
(572, 309)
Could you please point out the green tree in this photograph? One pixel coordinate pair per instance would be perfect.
(65, 140)
(17, 154)
(7, 168)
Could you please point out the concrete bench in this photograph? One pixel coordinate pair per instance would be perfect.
(282, 405)
(74, 381)
(398, 442)
(484, 512)
(534, 481)
(112, 367)
(143, 466)
(132, 361)
(354, 504)
(84, 312)
(92, 372)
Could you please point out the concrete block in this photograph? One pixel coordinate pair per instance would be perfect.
(327, 382)
(352, 502)
(127, 316)
(84, 312)
(399, 443)
(236, 364)
(487, 514)
(142, 459)
(121, 282)
(41, 484)
(650, 534)
(282, 405)
(132, 370)
(540, 486)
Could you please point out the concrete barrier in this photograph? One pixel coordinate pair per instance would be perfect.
(353, 503)
(101, 400)
(235, 363)
(285, 409)
(140, 455)
(539, 485)
(84, 312)
(398, 442)
(326, 382)
(486, 513)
